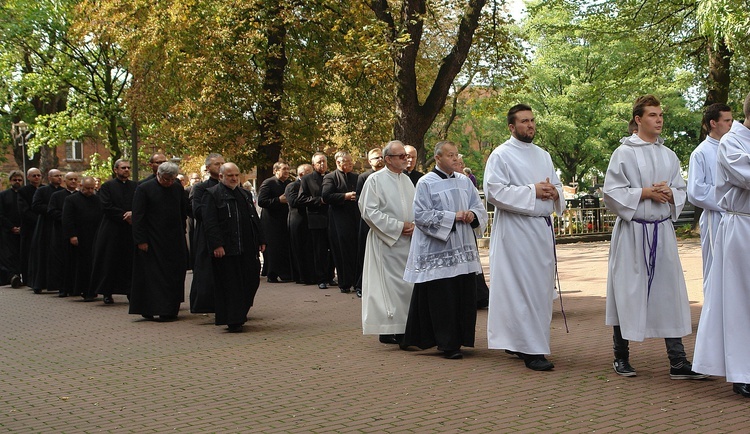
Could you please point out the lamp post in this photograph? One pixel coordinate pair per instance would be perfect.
(21, 129)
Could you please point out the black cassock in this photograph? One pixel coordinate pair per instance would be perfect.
(202, 287)
(303, 266)
(112, 269)
(363, 230)
(273, 222)
(40, 242)
(230, 221)
(10, 243)
(159, 215)
(344, 215)
(28, 223)
(60, 261)
(82, 216)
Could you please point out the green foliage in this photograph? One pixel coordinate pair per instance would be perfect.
(99, 167)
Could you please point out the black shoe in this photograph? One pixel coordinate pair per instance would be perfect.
(359, 292)
(323, 285)
(272, 280)
(333, 283)
(15, 281)
(741, 388)
(167, 317)
(147, 316)
(538, 363)
(515, 353)
(388, 339)
(37, 291)
(345, 290)
(88, 299)
(62, 294)
(622, 368)
(108, 299)
(234, 328)
(684, 371)
(453, 354)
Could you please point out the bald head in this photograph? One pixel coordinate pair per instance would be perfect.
(55, 177)
(71, 180)
(88, 186)
(229, 174)
(34, 176)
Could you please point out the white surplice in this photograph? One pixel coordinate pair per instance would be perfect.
(386, 202)
(701, 192)
(522, 248)
(665, 312)
(441, 247)
(722, 345)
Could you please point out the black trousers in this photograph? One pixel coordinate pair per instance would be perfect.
(675, 349)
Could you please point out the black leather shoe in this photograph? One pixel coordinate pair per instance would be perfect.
(108, 299)
(88, 299)
(345, 290)
(333, 282)
(37, 291)
(388, 339)
(741, 388)
(323, 285)
(274, 280)
(234, 328)
(453, 354)
(15, 281)
(538, 363)
(62, 294)
(358, 291)
(515, 353)
(147, 316)
(165, 318)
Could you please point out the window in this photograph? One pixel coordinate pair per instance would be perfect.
(73, 150)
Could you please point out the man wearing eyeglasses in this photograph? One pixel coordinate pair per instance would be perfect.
(443, 258)
(28, 218)
(112, 269)
(375, 158)
(159, 216)
(154, 162)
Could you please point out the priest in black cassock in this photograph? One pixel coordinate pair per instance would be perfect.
(310, 197)
(28, 218)
(273, 221)
(10, 232)
(159, 216)
(40, 242)
(303, 266)
(234, 239)
(202, 287)
(61, 261)
(112, 269)
(339, 191)
(82, 215)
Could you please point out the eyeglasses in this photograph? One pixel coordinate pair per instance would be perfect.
(399, 156)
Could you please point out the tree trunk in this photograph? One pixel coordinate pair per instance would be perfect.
(271, 136)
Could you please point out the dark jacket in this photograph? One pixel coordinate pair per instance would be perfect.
(222, 224)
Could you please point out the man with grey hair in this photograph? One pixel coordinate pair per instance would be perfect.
(387, 206)
(42, 232)
(339, 191)
(159, 216)
(82, 214)
(411, 164)
(10, 232)
(443, 258)
(112, 270)
(202, 287)
(60, 262)
(28, 218)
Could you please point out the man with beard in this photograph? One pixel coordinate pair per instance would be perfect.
(82, 215)
(234, 239)
(40, 243)
(443, 258)
(375, 158)
(154, 162)
(61, 261)
(411, 166)
(521, 182)
(112, 268)
(303, 267)
(159, 216)
(387, 205)
(310, 197)
(10, 232)
(202, 287)
(339, 191)
(273, 220)
(28, 219)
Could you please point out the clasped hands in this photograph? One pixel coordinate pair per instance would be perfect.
(659, 192)
(465, 216)
(546, 191)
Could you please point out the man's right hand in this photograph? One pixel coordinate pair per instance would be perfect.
(143, 247)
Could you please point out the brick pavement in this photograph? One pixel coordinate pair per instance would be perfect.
(303, 366)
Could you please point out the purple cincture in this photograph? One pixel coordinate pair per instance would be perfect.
(651, 259)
